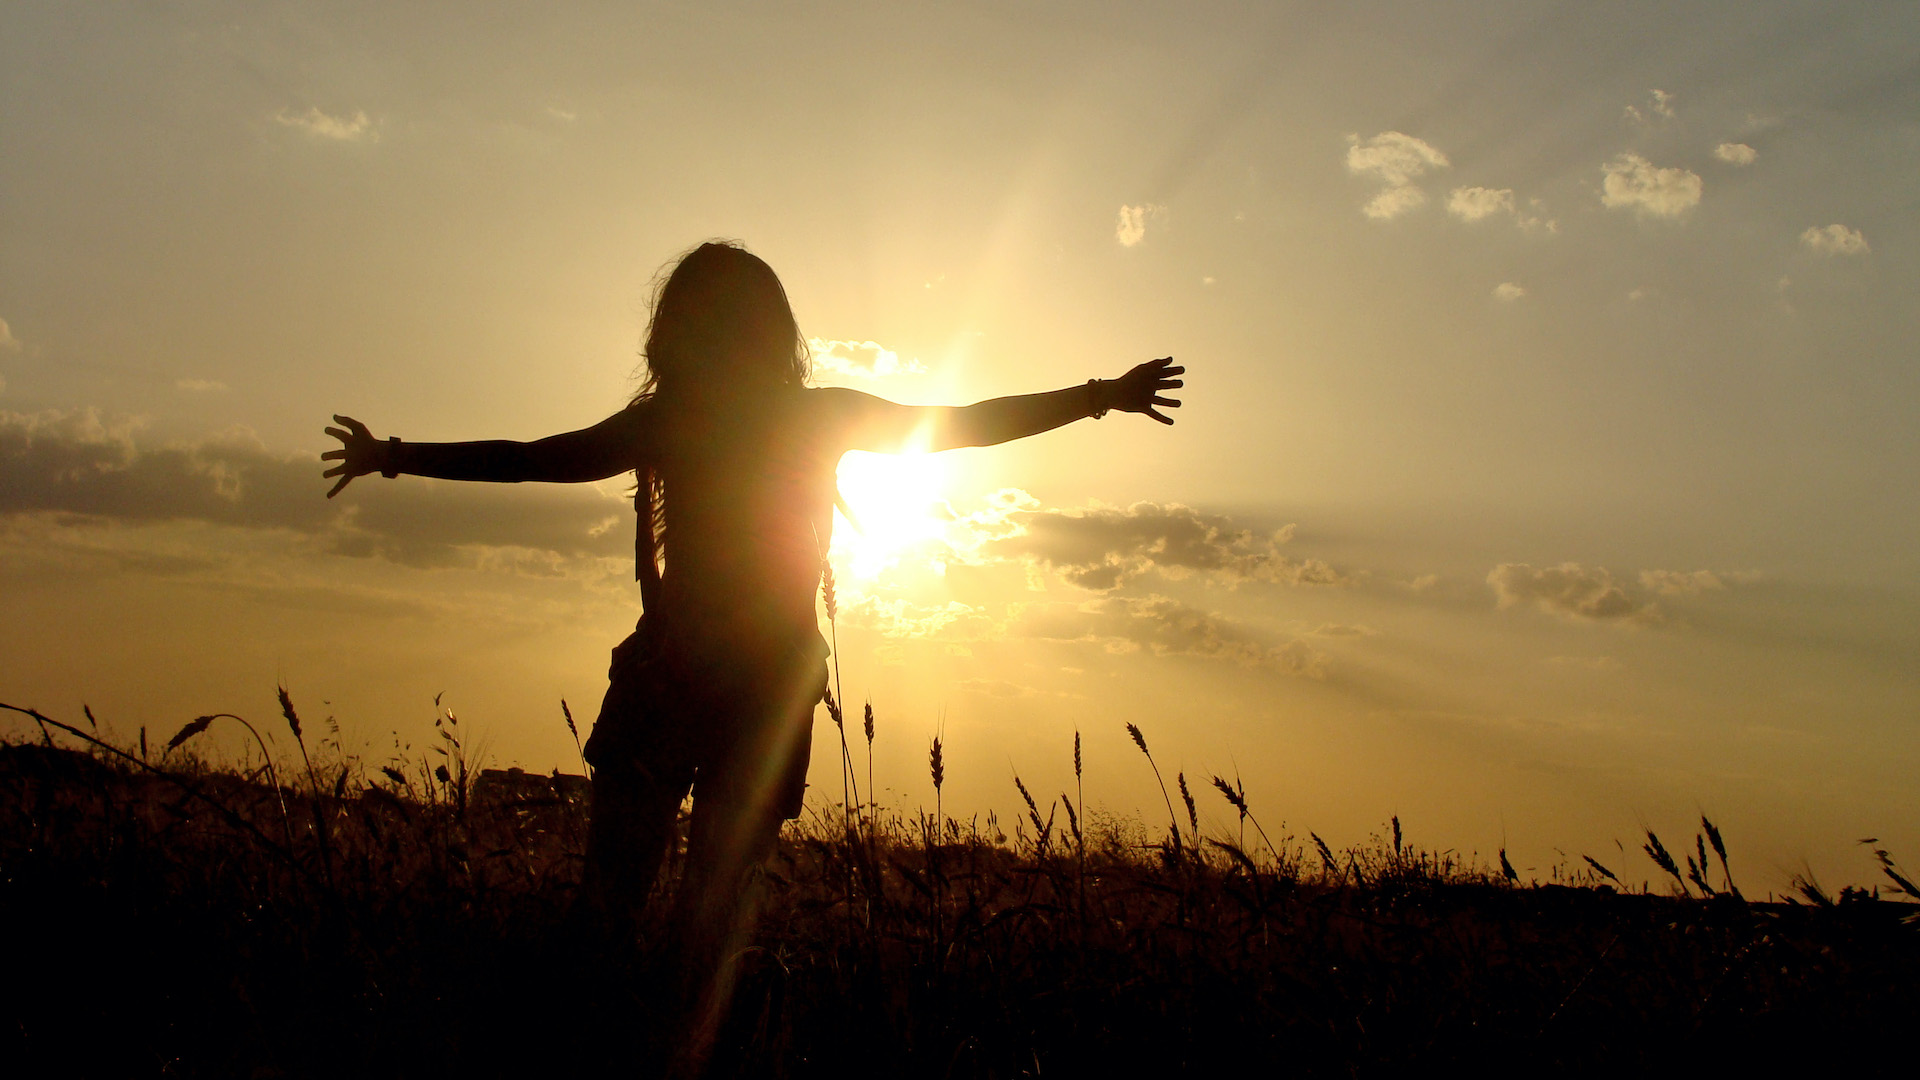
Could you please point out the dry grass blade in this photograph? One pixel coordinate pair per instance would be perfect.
(1892, 870)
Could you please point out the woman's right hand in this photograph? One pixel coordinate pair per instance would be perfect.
(360, 453)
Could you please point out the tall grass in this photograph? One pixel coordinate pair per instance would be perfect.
(446, 938)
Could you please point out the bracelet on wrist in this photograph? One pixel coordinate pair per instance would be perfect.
(1095, 409)
(388, 468)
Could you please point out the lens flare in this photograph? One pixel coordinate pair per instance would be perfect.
(898, 503)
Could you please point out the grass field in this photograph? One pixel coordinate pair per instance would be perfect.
(329, 918)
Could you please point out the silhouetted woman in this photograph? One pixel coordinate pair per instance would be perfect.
(735, 457)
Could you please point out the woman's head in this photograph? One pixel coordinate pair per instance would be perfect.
(721, 324)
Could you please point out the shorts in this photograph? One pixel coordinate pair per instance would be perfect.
(714, 719)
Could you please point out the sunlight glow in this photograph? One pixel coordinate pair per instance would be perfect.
(899, 501)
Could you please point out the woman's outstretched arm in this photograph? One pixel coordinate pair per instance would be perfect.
(595, 453)
(879, 424)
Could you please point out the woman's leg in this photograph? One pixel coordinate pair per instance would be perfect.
(740, 802)
(641, 772)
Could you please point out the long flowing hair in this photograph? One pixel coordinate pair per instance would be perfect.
(721, 332)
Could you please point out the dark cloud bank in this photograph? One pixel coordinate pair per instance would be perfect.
(75, 463)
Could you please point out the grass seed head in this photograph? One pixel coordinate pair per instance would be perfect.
(1193, 812)
(1603, 871)
(1235, 799)
(936, 764)
(293, 718)
(194, 727)
(1713, 837)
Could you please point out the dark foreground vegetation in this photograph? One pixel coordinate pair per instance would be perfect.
(167, 917)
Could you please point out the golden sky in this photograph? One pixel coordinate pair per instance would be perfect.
(1548, 467)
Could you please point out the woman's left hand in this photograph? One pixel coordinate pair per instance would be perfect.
(359, 454)
(1139, 390)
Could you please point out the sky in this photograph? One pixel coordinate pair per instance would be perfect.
(1547, 470)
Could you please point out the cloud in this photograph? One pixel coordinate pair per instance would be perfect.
(1508, 291)
(1680, 582)
(1166, 628)
(1569, 589)
(77, 463)
(860, 359)
(1734, 153)
(1104, 547)
(1397, 160)
(8, 343)
(1632, 181)
(1132, 226)
(1659, 104)
(1477, 203)
(899, 618)
(200, 386)
(1835, 239)
(321, 125)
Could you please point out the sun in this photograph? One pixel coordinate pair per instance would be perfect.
(899, 501)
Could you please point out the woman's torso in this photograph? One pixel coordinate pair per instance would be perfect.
(748, 512)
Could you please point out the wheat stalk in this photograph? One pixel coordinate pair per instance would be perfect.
(1140, 741)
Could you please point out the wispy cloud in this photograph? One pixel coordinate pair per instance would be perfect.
(860, 359)
(1132, 226)
(85, 466)
(8, 343)
(1659, 107)
(1734, 153)
(1164, 627)
(1633, 182)
(1479, 203)
(1570, 589)
(1680, 582)
(1105, 547)
(200, 386)
(1835, 239)
(1508, 291)
(1397, 160)
(326, 126)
